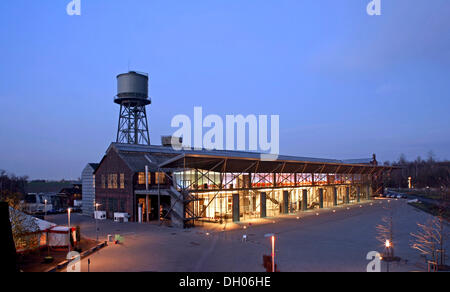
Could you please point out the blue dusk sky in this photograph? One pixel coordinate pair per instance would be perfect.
(344, 83)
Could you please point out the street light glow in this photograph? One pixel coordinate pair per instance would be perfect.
(388, 243)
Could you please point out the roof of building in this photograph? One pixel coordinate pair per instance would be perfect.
(222, 153)
(163, 157)
(94, 165)
(137, 161)
(358, 161)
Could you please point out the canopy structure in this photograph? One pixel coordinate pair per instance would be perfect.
(167, 158)
(254, 165)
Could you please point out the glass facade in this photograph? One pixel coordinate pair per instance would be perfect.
(269, 194)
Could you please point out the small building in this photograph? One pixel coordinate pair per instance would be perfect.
(71, 195)
(187, 186)
(88, 189)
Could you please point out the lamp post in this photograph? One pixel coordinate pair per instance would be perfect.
(272, 239)
(388, 257)
(96, 224)
(45, 208)
(70, 231)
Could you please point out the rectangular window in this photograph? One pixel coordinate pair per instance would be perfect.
(103, 181)
(160, 178)
(122, 180)
(141, 178)
(122, 206)
(111, 205)
(112, 181)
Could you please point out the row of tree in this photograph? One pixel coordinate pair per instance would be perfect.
(428, 173)
(12, 191)
(11, 184)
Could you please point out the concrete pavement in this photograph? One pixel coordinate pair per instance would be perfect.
(326, 240)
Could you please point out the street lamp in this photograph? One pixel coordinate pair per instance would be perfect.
(272, 237)
(70, 231)
(96, 215)
(388, 245)
(45, 208)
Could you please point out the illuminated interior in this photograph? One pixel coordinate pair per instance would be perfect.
(213, 192)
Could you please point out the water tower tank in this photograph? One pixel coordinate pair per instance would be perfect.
(132, 96)
(132, 87)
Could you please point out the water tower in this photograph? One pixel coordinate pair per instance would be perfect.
(132, 96)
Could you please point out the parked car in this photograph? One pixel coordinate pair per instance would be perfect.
(37, 204)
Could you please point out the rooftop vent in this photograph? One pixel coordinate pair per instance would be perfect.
(171, 141)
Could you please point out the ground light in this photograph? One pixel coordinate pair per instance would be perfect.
(272, 239)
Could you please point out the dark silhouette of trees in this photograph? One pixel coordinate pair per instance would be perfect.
(12, 188)
(429, 173)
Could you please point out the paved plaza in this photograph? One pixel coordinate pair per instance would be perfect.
(326, 240)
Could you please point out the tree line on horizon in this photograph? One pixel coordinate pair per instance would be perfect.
(428, 173)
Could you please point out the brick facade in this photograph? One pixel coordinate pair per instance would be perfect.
(114, 199)
(117, 199)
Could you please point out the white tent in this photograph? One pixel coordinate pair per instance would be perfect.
(58, 236)
(47, 233)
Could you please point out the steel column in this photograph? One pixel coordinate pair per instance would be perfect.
(321, 198)
(236, 208)
(285, 202)
(305, 200)
(263, 205)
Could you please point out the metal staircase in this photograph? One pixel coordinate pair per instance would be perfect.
(273, 200)
(181, 208)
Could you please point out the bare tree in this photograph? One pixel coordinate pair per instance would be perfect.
(427, 241)
(385, 235)
(432, 236)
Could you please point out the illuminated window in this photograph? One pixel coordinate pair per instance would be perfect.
(103, 181)
(122, 180)
(141, 178)
(160, 178)
(112, 181)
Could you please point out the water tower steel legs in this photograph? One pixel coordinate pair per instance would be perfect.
(133, 126)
